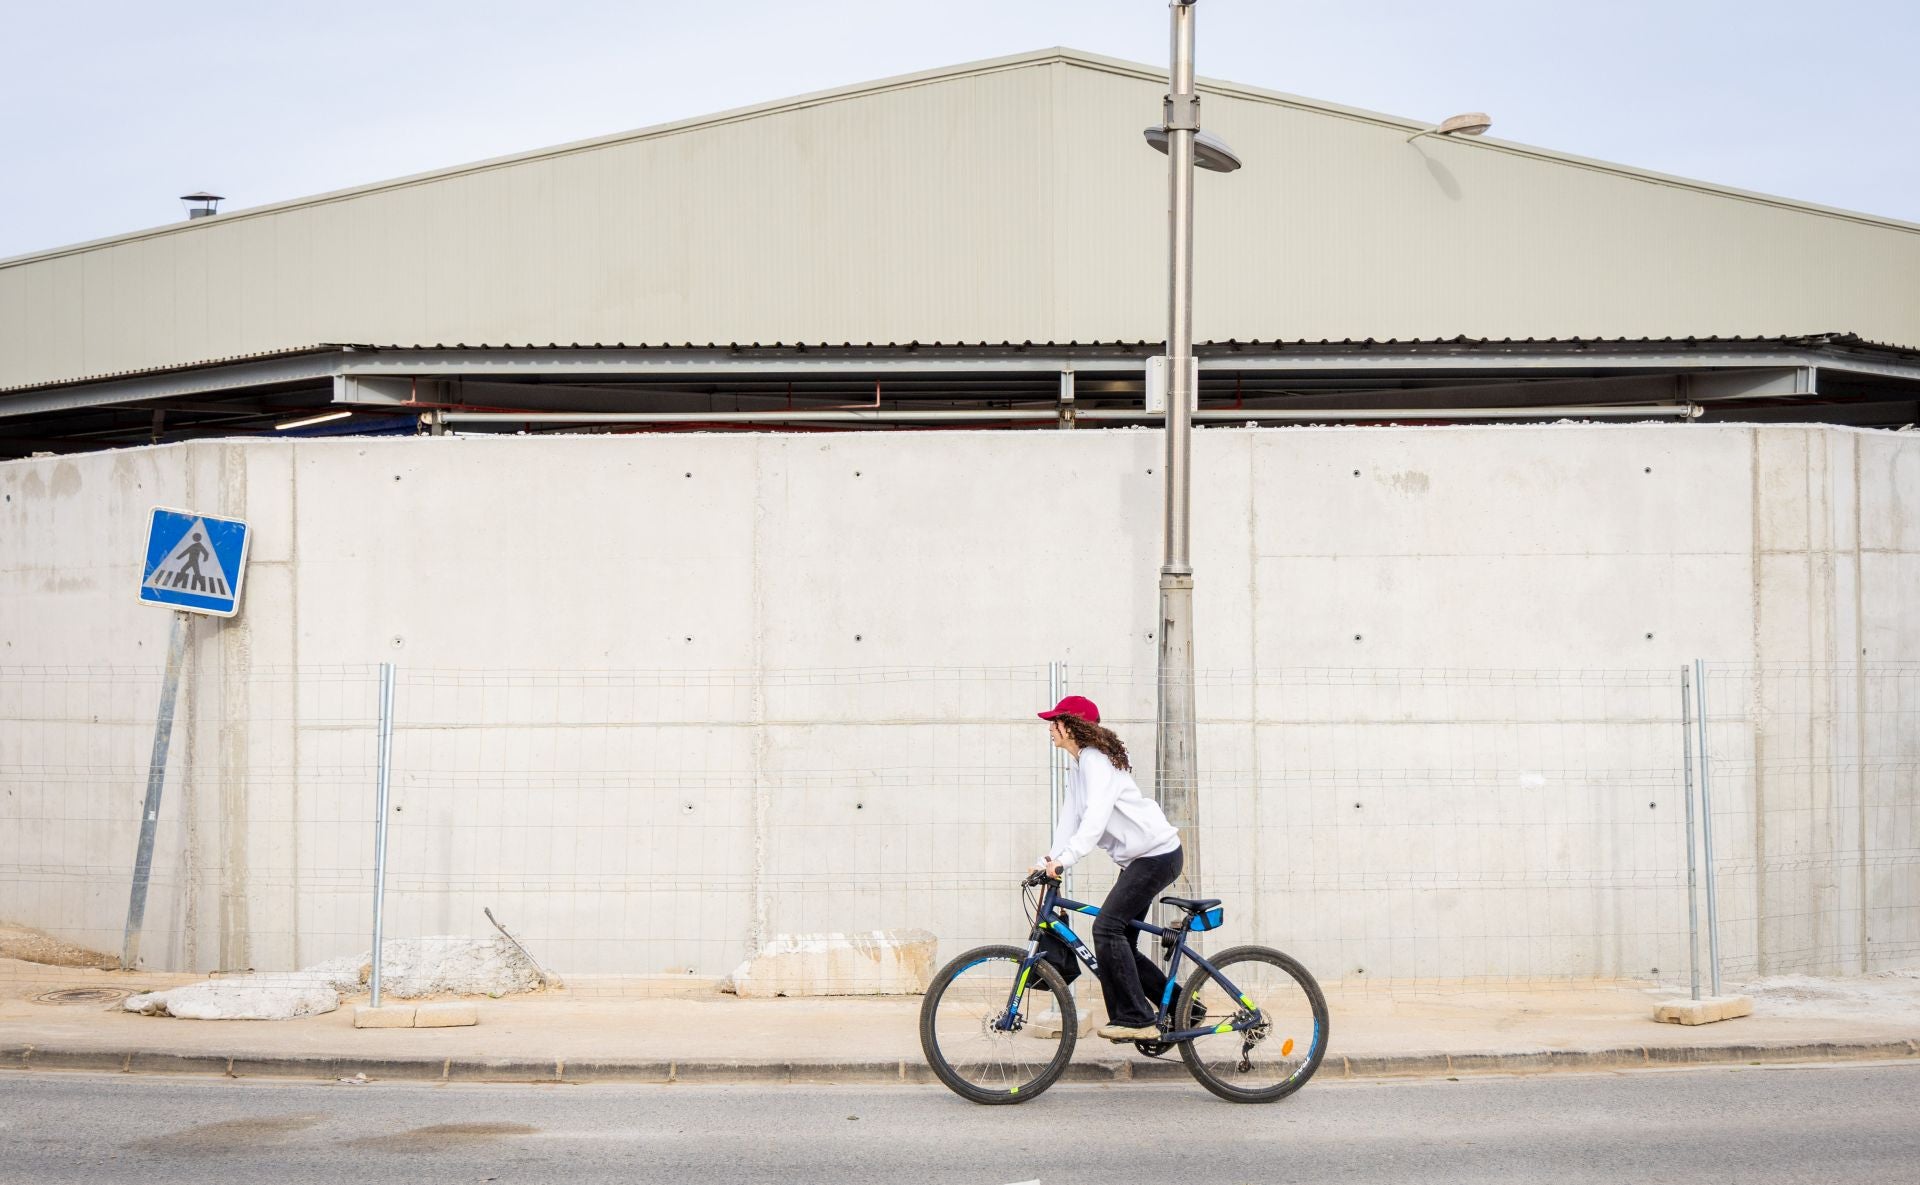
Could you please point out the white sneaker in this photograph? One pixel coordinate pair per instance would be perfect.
(1130, 1032)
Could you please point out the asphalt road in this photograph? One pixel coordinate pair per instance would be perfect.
(1854, 1124)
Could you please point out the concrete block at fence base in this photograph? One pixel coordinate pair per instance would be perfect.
(446, 1016)
(861, 963)
(1047, 1024)
(1703, 1011)
(387, 1016)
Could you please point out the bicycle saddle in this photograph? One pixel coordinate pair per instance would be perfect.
(1201, 905)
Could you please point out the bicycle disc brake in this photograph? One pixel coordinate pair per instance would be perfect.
(990, 1024)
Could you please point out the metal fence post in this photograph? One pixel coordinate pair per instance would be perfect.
(1693, 903)
(1706, 824)
(381, 789)
(156, 782)
(1054, 781)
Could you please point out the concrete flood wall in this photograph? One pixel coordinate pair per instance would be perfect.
(663, 696)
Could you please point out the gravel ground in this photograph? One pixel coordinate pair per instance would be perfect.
(32, 946)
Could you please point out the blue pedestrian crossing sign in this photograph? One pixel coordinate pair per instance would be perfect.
(194, 562)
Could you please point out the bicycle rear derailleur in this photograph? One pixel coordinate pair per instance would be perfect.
(1250, 1036)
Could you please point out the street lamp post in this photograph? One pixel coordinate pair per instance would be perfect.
(1176, 763)
(1176, 743)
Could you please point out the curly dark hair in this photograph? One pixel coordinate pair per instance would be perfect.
(1089, 735)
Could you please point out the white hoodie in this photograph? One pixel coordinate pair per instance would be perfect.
(1105, 806)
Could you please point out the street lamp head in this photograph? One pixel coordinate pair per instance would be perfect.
(1472, 123)
(1210, 152)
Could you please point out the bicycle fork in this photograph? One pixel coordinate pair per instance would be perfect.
(1009, 1017)
(1018, 996)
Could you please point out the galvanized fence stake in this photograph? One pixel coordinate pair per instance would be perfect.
(382, 786)
(1693, 902)
(156, 781)
(1056, 780)
(1706, 824)
(1057, 791)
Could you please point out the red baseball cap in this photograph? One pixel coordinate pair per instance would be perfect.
(1075, 705)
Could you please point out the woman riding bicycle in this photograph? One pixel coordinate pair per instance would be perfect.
(1104, 807)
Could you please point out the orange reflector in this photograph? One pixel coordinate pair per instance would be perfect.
(1286, 1048)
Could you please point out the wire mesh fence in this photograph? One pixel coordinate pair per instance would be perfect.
(1392, 825)
(262, 840)
(662, 823)
(633, 827)
(1814, 776)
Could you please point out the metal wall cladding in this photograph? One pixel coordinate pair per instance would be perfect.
(1339, 228)
(1007, 201)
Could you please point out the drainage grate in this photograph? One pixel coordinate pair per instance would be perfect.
(83, 995)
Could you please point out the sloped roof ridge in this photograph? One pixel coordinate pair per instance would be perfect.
(1038, 57)
(1363, 115)
(648, 132)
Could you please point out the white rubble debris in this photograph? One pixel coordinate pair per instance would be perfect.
(282, 996)
(412, 968)
(862, 963)
(448, 965)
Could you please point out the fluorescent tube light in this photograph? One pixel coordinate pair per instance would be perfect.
(309, 421)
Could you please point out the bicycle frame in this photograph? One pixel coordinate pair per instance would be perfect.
(1053, 903)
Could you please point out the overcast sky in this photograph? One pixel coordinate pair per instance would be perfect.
(108, 111)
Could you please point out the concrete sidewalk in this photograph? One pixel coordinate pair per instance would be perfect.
(686, 1031)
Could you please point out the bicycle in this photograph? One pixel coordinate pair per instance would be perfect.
(978, 1021)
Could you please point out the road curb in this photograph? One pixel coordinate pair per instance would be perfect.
(332, 1067)
(1625, 1057)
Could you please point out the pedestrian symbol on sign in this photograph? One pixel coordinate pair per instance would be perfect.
(195, 562)
(182, 568)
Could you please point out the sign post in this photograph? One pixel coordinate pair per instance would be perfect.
(195, 563)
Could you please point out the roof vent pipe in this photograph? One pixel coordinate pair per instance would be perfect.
(202, 205)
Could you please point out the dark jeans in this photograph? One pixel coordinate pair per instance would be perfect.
(1130, 981)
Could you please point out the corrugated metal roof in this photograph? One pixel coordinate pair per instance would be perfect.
(1343, 345)
(229, 360)
(1803, 341)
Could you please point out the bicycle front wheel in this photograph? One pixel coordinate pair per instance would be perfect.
(1274, 1058)
(976, 1048)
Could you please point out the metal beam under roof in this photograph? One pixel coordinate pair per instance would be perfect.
(1330, 376)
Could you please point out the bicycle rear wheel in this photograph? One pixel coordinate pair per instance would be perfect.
(1275, 1058)
(975, 1058)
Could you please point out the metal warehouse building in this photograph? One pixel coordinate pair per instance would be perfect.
(685, 476)
(954, 241)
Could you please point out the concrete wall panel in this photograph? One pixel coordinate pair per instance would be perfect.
(636, 718)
